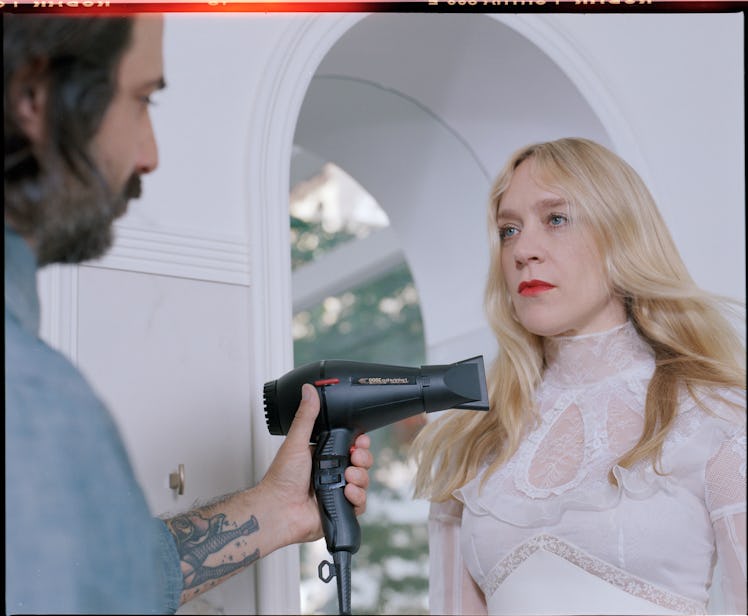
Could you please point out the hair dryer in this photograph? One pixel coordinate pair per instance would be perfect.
(356, 397)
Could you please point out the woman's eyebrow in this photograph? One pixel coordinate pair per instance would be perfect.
(548, 204)
(542, 205)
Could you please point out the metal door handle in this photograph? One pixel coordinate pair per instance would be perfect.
(176, 480)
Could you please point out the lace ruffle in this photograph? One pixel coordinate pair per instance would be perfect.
(590, 413)
(516, 501)
(739, 447)
(694, 435)
(639, 484)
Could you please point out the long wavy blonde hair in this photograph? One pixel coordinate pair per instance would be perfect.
(694, 341)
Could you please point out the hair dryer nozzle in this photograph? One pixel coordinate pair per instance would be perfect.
(473, 380)
(461, 385)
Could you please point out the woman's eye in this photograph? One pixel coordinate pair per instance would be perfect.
(556, 220)
(507, 232)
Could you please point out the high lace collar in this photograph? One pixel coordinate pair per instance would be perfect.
(591, 358)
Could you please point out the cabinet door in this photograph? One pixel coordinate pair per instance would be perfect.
(169, 356)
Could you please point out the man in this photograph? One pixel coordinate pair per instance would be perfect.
(79, 537)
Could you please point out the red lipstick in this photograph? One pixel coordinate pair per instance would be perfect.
(534, 287)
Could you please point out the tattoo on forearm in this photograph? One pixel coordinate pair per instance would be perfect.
(198, 538)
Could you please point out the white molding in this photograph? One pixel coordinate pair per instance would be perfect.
(58, 298)
(166, 253)
(183, 254)
(278, 100)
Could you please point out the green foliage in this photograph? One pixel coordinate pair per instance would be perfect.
(362, 331)
(309, 240)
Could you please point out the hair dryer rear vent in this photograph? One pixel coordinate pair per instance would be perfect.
(272, 417)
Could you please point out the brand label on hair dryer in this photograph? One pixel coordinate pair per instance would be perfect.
(385, 380)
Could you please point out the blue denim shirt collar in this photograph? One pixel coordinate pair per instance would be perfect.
(21, 296)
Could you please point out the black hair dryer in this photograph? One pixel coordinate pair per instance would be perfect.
(356, 397)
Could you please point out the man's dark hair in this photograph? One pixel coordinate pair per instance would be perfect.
(77, 58)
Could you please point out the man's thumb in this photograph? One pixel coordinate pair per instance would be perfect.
(303, 422)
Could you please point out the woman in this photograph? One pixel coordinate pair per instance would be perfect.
(610, 471)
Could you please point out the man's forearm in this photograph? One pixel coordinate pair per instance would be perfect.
(220, 539)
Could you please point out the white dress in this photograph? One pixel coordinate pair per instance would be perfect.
(548, 533)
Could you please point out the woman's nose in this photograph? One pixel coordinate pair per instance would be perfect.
(528, 247)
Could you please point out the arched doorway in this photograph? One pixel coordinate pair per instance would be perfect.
(422, 110)
(511, 53)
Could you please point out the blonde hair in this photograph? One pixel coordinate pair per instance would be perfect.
(693, 341)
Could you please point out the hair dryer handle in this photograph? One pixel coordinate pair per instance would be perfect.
(331, 458)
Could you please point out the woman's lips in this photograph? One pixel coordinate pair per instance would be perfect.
(534, 287)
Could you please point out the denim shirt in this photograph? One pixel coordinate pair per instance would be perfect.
(79, 536)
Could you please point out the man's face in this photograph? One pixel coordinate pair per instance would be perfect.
(77, 224)
(125, 146)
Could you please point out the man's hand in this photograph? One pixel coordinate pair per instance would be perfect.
(288, 480)
(218, 540)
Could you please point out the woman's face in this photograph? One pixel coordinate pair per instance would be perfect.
(553, 271)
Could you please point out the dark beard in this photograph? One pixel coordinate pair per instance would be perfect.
(81, 228)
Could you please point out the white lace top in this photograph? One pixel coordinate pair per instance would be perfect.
(655, 537)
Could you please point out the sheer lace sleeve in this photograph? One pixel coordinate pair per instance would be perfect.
(726, 501)
(451, 588)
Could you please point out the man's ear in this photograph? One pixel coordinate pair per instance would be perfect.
(28, 98)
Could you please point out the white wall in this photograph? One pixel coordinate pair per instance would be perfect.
(678, 82)
(671, 108)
